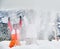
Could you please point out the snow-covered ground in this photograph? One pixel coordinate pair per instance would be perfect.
(42, 44)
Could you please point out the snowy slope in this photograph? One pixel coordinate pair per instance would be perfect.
(43, 44)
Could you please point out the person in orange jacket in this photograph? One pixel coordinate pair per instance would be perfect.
(15, 36)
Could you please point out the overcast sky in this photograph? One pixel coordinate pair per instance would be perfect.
(38, 4)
